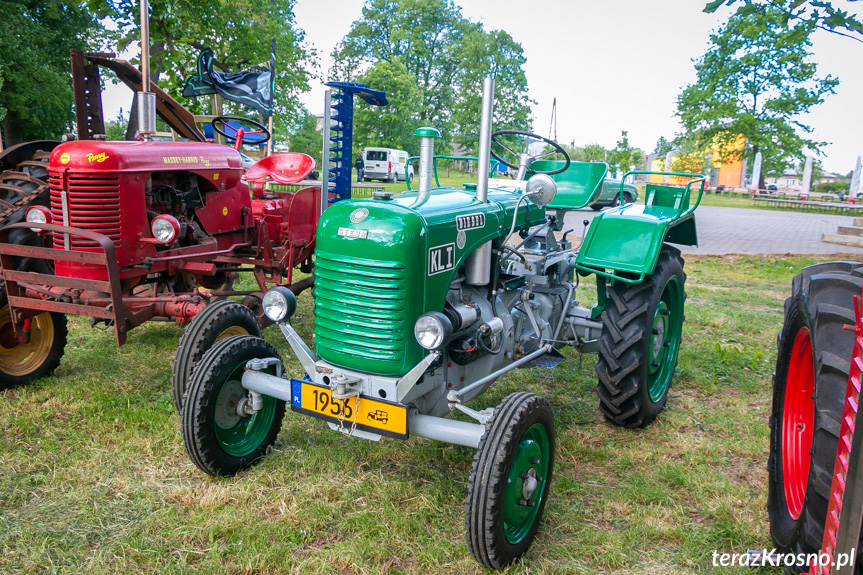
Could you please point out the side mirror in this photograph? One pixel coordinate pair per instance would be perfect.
(541, 189)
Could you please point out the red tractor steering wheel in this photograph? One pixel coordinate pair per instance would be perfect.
(241, 132)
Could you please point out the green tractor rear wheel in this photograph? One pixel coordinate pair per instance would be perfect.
(640, 339)
(219, 440)
(508, 486)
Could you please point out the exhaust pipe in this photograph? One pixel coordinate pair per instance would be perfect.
(427, 136)
(145, 98)
(478, 265)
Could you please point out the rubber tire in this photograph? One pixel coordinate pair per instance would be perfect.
(52, 359)
(202, 333)
(484, 525)
(627, 199)
(25, 236)
(197, 427)
(822, 300)
(596, 207)
(624, 398)
(367, 179)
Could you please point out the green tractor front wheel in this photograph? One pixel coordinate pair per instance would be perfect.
(641, 331)
(219, 440)
(508, 486)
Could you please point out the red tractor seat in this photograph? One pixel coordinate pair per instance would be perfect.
(284, 168)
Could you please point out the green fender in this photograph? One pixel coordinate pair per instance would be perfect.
(628, 238)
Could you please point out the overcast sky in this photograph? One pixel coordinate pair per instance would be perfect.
(612, 65)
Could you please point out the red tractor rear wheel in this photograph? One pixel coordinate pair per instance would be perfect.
(809, 387)
(38, 356)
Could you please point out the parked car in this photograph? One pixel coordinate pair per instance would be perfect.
(387, 165)
(772, 188)
(248, 162)
(610, 195)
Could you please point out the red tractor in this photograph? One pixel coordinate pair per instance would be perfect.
(126, 232)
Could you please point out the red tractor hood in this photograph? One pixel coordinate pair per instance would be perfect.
(96, 156)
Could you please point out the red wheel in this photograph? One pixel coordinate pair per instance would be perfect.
(812, 362)
(798, 419)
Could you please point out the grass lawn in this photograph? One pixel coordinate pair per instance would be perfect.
(93, 476)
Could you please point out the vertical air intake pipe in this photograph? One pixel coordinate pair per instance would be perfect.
(478, 265)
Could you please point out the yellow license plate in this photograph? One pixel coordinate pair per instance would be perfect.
(374, 415)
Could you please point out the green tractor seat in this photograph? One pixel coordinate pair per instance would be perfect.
(577, 187)
(628, 238)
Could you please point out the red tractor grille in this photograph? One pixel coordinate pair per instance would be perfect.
(93, 205)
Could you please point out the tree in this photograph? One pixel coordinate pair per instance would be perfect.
(116, 129)
(663, 146)
(755, 80)
(814, 13)
(589, 153)
(393, 125)
(35, 39)
(493, 54)
(624, 156)
(689, 156)
(430, 60)
(238, 31)
(306, 138)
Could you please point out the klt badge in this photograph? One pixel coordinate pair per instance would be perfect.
(441, 258)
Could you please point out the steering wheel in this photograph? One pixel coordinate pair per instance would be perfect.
(239, 133)
(524, 159)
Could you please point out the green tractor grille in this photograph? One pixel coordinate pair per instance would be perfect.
(361, 313)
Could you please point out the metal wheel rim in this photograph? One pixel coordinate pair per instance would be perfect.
(798, 420)
(518, 519)
(228, 332)
(664, 341)
(21, 359)
(240, 436)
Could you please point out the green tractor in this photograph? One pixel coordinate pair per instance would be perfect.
(423, 299)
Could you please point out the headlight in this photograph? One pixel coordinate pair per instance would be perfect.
(279, 303)
(165, 229)
(433, 330)
(38, 215)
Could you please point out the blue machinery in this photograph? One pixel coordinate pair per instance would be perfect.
(340, 129)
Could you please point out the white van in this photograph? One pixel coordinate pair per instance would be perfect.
(386, 164)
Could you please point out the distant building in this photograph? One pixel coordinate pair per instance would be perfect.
(728, 174)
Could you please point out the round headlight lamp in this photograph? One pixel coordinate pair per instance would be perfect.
(279, 303)
(38, 215)
(433, 330)
(165, 229)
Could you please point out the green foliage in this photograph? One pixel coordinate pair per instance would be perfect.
(815, 13)
(590, 153)
(35, 39)
(116, 129)
(689, 156)
(305, 138)
(755, 79)
(663, 146)
(430, 60)
(831, 187)
(625, 157)
(390, 126)
(238, 31)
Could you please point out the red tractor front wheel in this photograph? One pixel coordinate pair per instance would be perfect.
(809, 384)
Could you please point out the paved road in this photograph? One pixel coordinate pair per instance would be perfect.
(752, 231)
